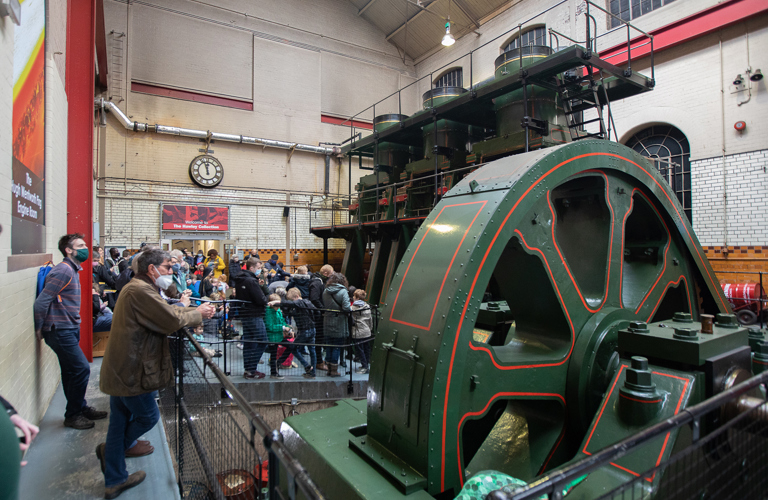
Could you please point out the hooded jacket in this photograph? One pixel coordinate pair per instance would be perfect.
(335, 298)
(303, 311)
(362, 322)
(138, 359)
(316, 285)
(248, 289)
(300, 281)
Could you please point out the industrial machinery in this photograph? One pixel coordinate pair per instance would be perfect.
(552, 302)
(590, 261)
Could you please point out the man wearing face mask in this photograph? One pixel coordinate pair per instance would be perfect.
(137, 362)
(57, 320)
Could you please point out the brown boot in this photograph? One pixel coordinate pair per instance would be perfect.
(321, 366)
(333, 370)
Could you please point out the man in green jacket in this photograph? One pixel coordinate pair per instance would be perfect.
(137, 362)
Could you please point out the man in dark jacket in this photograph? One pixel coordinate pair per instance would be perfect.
(251, 314)
(300, 280)
(316, 286)
(137, 362)
(57, 320)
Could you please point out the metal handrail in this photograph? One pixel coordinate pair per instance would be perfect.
(272, 439)
(693, 415)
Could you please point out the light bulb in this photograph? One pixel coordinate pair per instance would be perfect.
(448, 39)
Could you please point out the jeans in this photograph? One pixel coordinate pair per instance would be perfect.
(129, 418)
(75, 370)
(253, 330)
(104, 322)
(363, 348)
(308, 337)
(332, 354)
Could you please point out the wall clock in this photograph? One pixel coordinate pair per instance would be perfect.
(206, 171)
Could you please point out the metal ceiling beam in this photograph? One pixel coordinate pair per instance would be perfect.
(413, 17)
(465, 10)
(365, 7)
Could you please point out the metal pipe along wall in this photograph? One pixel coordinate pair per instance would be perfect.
(205, 134)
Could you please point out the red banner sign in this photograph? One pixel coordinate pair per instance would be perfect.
(191, 218)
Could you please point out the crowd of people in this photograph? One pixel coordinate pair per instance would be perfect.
(307, 315)
(145, 297)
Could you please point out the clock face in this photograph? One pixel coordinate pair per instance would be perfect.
(206, 171)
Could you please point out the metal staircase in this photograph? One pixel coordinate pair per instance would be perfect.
(582, 94)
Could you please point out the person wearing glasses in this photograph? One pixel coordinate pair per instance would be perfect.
(137, 362)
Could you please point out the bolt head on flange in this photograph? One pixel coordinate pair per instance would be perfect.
(726, 320)
(639, 401)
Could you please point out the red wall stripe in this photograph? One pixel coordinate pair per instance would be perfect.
(334, 120)
(688, 28)
(186, 95)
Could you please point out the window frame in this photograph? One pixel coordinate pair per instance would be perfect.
(450, 76)
(679, 181)
(631, 7)
(505, 47)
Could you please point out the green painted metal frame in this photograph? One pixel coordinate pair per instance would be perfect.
(432, 383)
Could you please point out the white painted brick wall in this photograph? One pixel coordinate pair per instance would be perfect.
(29, 372)
(132, 215)
(746, 184)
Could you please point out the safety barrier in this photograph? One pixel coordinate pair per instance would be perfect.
(214, 435)
(729, 462)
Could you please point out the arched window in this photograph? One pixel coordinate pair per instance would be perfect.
(454, 77)
(669, 148)
(534, 36)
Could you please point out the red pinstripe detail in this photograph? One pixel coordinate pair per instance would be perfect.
(666, 289)
(562, 302)
(623, 230)
(485, 257)
(666, 249)
(447, 271)
(666, 440)
(488, 404)
(610, 247)
(602, 408)
(638, 400)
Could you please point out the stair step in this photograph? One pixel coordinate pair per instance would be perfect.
(588, 136)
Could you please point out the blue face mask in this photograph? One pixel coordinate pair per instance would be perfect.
(176, 268)
(221, 288)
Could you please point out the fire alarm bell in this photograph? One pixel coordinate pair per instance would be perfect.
(740, 126)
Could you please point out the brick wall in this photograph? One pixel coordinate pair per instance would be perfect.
(742, 221)
(29, 371)
(132, 215)
(309, 58)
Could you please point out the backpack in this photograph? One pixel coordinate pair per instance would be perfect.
(42, 274)
(123, 278)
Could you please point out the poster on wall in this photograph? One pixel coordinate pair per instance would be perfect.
(28, 181)
(194, 218)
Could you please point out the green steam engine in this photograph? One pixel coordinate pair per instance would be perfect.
(542, 292)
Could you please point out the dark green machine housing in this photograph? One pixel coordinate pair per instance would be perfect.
(391, 159)
(597, 284)
(542, 104)
(548, 306)
(452, 136)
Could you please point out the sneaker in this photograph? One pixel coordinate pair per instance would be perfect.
(239, 346)
(252, 375)
(100, 455)
(140, 449)
(93, 414)
(311, 374)
(276, 376)
(133, 480)
(78, 422)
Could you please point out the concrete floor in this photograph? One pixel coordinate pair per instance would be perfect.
(63, 464)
